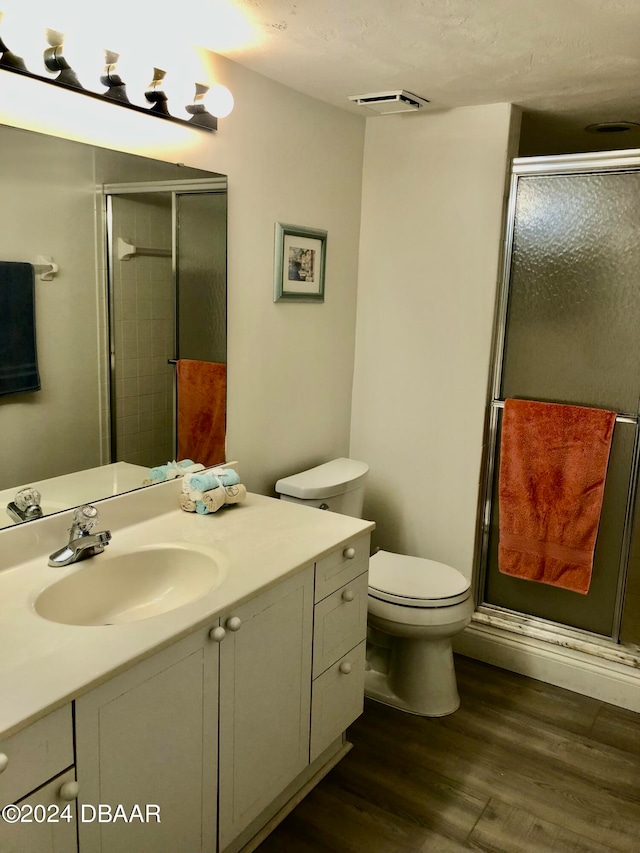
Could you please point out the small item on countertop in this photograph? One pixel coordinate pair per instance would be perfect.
(214, 499)
(210, 480)
(186, 503)
(172, 470)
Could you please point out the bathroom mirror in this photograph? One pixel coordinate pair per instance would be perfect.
(121, 245)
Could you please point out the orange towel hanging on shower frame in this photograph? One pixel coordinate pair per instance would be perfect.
(553, 466)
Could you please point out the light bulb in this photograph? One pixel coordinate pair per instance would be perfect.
(86, 58)
(26, 39)
(219, 101)
(136, 72)
(179, 86)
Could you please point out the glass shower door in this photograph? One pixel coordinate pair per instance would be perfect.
(570, 336)
(201, 259)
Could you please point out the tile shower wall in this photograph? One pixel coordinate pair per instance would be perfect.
(143, 323)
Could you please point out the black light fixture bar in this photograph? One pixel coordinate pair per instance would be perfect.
(116, 91)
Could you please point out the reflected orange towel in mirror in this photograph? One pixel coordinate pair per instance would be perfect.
(553, 465)
(202, 406)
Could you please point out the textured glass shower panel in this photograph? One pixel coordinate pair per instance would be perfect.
(592, 612)
(201, 276)
(574, 303)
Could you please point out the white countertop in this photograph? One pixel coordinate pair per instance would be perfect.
(45, 664)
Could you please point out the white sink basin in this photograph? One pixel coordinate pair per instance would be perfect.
(112, 588)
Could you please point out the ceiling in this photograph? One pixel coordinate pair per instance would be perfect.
(567, 63)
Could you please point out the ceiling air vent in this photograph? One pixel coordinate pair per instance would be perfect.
(386, 103)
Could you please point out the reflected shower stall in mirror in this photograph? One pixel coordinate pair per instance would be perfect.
(54, 203)
(567, 332)
(167, 300)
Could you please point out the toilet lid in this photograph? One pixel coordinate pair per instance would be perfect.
(415, 581)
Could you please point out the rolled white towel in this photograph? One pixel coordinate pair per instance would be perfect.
(186, 504)
(193, 469)
(235, 494)
(213, 500)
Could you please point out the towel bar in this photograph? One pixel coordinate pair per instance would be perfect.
(127, 249)
(45, 268)
(621, 418)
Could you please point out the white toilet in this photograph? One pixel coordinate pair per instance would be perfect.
(415, 606)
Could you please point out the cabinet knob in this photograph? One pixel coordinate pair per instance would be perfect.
(69, 791)
(217, 634)
(348, 595)
(345, 667)
(349, 553)
(323, 506)
(4, 760)
(233, 623)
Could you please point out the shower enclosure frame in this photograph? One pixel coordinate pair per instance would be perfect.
(191, 186)
(496, 615)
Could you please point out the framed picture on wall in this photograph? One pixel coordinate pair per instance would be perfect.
(299, 264)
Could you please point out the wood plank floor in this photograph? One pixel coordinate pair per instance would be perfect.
(521, 767)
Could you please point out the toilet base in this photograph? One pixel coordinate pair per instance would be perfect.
(376, 687)
(418, 678)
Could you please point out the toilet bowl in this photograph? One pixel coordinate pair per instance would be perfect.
(415, 605)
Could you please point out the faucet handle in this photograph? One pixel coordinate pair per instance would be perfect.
(26, 498)
(85, 518)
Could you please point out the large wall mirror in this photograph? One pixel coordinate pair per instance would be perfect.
(140, 250)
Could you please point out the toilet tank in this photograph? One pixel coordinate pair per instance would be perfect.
(337, 486)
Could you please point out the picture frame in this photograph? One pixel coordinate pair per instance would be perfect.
(299, 265)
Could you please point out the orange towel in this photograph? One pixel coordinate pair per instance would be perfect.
(202, 405)
(553, 464)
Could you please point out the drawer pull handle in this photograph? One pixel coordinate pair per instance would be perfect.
(349, 553)
(348, 595)
(345, 667)
(4, 760)
(233, 623)
(69, 791)
(217, 634)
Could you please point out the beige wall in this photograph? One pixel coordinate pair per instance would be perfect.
(433, 189)
(289, 158)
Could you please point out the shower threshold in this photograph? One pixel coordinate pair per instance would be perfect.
(555, 634)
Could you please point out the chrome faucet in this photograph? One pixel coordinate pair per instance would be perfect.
(82, 542)
(25, 505)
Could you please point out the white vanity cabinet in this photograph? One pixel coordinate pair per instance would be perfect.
(221, 729)
(149, 738)
(37, 775)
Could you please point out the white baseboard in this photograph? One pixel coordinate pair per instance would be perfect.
(588, 674)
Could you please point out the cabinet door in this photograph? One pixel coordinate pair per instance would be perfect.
(38, 836)
(148, 737)
(265, 687)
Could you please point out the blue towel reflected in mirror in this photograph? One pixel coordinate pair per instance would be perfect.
(18, 356)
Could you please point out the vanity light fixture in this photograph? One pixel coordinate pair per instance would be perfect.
(56, 61)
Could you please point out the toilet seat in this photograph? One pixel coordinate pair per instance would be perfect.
(415, 581)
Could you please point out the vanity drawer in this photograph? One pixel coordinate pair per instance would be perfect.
(341, 566)
(339, 623)
(36, 754)
(337, 699)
